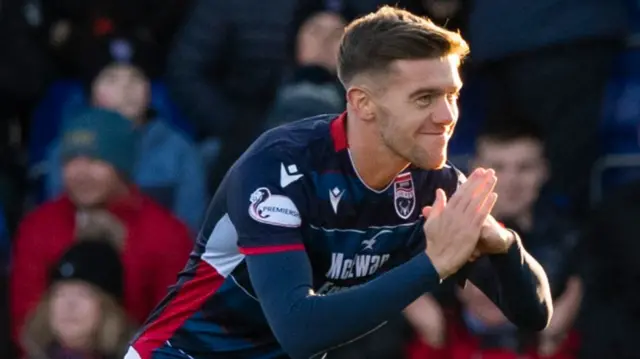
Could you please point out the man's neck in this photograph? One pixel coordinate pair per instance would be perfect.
(376, 165)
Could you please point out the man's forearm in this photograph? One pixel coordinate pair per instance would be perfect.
(306, 323)
(523, 291)
(566, 308)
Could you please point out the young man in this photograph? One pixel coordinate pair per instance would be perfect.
(516, 150)
(317, 234)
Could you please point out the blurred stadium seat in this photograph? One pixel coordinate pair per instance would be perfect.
(620, 127)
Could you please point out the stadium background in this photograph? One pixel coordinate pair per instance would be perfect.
(220, 72)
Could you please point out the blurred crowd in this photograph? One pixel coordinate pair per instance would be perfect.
(119, 118)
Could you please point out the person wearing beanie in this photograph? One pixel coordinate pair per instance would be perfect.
(97, 151)
(81, 316)
(168, 165)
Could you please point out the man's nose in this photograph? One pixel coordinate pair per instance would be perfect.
(445, 113)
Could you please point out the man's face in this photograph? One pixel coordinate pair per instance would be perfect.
(417, 111)
(521, 170)
(89, 182)
(124, 89)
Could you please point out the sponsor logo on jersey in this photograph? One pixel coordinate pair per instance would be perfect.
(362, 265)
(335, 195)
(404, 196)
(272, 209)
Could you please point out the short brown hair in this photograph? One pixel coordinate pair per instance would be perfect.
(373, 42)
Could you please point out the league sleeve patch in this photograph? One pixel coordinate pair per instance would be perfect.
(272, 209)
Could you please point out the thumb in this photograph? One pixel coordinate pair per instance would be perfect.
(439, 203)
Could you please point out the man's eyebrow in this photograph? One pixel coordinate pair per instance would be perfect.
(435, 90)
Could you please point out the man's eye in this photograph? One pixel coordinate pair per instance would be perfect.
(452, 97)
(424, 101)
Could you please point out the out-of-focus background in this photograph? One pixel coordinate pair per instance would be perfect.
(120, 117)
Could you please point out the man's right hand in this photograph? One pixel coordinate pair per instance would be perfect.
(452, 229)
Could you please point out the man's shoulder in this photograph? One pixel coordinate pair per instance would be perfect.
(302, 143)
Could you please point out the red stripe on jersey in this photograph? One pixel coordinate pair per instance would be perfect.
(338, 133)
(271, 249)
(189, 299)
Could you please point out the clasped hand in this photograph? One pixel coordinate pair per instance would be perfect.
(461, 229)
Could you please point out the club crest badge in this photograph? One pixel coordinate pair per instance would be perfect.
(404, 195)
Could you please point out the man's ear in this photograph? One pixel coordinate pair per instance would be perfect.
(360, 100)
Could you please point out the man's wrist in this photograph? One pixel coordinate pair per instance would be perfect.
(510, 239)
(437, 267)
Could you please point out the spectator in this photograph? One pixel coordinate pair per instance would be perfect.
(77, 31)
(516, 151)
(314, 88)
(168, 166)
(81, 316)
(549, 60)
(96, 148)
(225, 68)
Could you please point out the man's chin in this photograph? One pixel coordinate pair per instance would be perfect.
(433, 163)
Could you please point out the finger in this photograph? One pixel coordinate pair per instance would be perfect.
(426, 211)
(440, 203)
(481, 194)
(486, 208)
(460, 198)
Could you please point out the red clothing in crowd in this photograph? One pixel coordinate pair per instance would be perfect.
(157, 246)
(462, 345)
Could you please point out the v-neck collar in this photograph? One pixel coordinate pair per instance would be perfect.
(338, 131)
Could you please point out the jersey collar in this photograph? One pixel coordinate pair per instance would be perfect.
(339, 132)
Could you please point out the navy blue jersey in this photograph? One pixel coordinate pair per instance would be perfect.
(294, 189)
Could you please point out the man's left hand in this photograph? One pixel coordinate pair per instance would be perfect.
(494, 238)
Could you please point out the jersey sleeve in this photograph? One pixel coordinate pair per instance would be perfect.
(266, 202)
